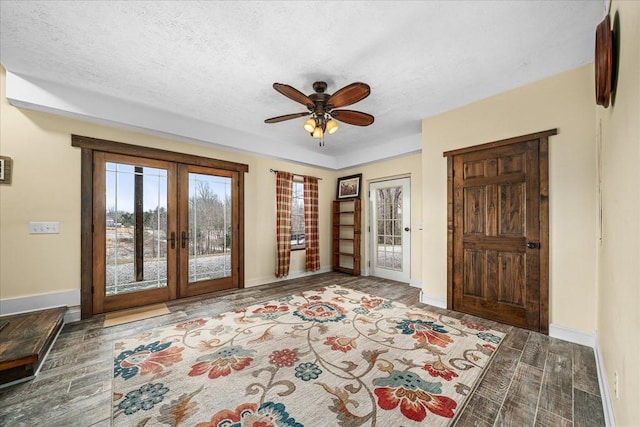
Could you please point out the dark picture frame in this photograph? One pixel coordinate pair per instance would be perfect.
(349, 187)
(5, 169)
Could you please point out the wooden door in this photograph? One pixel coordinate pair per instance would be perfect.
(134, 220)
(498, 231)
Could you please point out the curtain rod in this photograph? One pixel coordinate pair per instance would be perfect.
(296, 174)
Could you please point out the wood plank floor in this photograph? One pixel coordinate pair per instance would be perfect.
(533, 380)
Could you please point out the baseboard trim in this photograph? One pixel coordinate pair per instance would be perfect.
(607, 404)
(434, 301)
(36, 302)
(572, 335)
(294, 275)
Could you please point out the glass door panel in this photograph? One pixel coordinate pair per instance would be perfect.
(388, 225)
(136, 228)
(210, 232)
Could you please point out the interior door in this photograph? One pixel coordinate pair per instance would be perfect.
(209, 230)
(390, 213)
(497, 235)
(134, 219)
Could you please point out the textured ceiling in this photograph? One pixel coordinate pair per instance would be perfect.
(204, 70)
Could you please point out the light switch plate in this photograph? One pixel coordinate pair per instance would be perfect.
(44, 227)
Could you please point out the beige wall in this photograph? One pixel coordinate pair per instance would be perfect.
(619, 249)
(406, 166)
(46, 187)
(564, 101)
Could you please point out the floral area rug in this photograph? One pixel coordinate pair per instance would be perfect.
(328, 357)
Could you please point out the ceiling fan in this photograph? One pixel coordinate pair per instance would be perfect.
(322, 107)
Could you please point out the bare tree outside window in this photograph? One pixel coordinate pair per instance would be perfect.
(389, 227)
(209, 227)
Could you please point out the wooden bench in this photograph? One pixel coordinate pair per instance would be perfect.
(25, 340)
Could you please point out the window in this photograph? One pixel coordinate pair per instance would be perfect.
(297, 215)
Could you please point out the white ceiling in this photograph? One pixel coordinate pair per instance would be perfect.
(204, 70)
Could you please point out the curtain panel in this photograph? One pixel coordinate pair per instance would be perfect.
(311, 237)
(284, 184)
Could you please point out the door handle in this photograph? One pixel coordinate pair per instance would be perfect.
(406, 229)
(173, 240)
(185, 238)
(533, 245)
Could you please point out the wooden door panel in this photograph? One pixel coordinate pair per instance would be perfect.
(494, 282)
(475, 273)
(475, 169)
(495, 205)
(474, 210)
(511, 164)
(511, 278)
(511, 202)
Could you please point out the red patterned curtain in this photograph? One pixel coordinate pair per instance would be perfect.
(284, 183)
(311, 238)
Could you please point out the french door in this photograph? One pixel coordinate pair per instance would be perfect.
(390, 227)
(162, 230)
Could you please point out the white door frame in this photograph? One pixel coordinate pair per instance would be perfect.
(403, 273)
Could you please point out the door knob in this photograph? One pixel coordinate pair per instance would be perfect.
(406, 229)
(533, 245)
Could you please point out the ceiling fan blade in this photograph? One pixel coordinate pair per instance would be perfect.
(352, 117)
(294, 94)
(349, 94)
(285, 117)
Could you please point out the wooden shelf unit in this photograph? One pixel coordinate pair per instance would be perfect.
(346, 236)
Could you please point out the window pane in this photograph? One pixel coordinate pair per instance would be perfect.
(297, 215)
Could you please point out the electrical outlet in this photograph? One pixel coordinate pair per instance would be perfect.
(44, 227)
(615, 384)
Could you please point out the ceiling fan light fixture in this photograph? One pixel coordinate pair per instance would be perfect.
(310, 125)
(324, 109)
(332, 126)
(318, 133)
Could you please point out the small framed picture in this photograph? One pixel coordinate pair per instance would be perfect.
(349, 186)
(5, 170)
